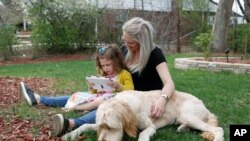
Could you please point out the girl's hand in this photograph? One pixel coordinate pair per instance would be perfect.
(116, 85)
(90, 85)
(158, 108)
(64, 109)
(100, 92)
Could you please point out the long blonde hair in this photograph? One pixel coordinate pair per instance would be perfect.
(142, 32)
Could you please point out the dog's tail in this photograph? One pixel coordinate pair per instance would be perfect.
(211, 120)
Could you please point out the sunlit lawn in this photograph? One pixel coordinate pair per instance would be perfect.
(225, 94)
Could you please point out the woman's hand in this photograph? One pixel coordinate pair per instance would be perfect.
(158, 108)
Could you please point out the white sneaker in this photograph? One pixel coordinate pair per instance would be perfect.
(28, 94)
(60, 125)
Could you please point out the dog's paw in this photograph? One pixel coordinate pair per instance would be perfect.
(208, 136)
(66, 137)
(219, 134)
(183, 128)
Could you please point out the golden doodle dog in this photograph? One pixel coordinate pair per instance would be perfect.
(130, 110)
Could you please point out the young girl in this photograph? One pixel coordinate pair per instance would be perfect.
(110, 63)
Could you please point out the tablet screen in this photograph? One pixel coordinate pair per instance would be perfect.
(101, 83)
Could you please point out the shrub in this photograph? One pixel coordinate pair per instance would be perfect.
(239, 38)
(202, 43)
(7, 39)
(63, 26)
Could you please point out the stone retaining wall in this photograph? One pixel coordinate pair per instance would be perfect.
(191, 63)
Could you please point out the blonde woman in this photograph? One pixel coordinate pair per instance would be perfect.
(146, 62)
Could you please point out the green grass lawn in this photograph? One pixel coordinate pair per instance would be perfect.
(225, 94)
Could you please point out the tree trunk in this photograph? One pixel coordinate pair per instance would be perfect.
(221, 22)
(247, 10)
(179, 5)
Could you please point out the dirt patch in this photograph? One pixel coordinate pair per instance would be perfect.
(11, 126)
(48, 58)
(16, 129)
(9, 88)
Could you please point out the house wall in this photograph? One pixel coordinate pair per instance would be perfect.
(165, 19)
(148, 5)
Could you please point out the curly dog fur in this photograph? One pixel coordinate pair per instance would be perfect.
(130, 110)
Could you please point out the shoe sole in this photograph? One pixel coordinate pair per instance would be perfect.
(24, 93)
(57, 124)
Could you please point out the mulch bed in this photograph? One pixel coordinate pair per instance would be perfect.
(9, 88)
(48, 58)
(14, 128)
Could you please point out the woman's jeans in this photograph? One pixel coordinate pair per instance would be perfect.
(60, 101)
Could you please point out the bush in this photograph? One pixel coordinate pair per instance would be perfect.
(63, 26)
(7, 39)
(202, 43)
(239, 38)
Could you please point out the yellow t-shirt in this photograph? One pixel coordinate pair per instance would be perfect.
(125, 79)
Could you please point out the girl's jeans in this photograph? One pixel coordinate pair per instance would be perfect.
(60, 101)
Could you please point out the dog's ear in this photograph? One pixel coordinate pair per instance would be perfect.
(129, 120)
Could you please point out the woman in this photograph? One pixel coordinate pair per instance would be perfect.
(146, 63)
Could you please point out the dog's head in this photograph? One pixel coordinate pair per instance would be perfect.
(113, 118)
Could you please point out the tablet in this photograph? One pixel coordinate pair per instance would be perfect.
(101, 83)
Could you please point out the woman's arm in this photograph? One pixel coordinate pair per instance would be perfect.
(166, 78)
(168, 89)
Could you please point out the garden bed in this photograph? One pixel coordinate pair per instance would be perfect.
(215, 64)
